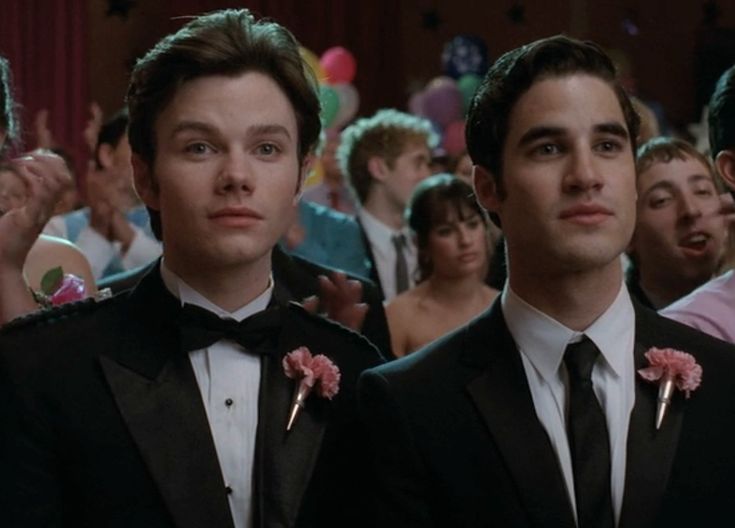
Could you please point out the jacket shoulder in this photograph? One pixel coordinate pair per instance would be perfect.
(55, 315)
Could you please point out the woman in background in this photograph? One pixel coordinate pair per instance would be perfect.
(451, 236)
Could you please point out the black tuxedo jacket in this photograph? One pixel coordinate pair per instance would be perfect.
(103, 423)
(457, 442)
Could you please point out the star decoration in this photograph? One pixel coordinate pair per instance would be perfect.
(517, 13)
(431, 20)
(120, 8)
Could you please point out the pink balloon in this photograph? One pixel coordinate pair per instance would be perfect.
(454, 142)
(442, 101)
(339, 65)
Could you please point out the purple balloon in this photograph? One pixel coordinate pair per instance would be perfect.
(442, 101)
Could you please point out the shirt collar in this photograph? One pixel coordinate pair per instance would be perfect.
(188, 295)
(543, 339)
(380, 235)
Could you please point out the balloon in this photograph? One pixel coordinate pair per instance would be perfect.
(316, 174)
(339, 65)
(330, 104)
(442, 101)
(464, 54)
(454, 142)
(313, 61)
(468, 85)
(349, 102)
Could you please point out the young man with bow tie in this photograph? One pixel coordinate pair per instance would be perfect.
(168, 406)
(536, 414)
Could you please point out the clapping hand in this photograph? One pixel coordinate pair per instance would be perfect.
(46, 177)
(340, 299)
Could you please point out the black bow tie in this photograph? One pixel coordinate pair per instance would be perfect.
(199, 328)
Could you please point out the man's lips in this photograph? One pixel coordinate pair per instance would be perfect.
(695, 243)
(235, 216)
(588, 214)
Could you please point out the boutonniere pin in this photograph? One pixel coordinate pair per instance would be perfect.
(672, 369)
(316, 373)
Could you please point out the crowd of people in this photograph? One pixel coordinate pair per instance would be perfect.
(235, 354)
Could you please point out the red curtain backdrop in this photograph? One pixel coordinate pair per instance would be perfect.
(46, 44)
(370, 30)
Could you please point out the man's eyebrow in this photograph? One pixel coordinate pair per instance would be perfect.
(540, 132)
(195, 126)
(200, 126)
(267, 129)
(613, 128)
(696, 178)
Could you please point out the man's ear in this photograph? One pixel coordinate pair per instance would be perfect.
(725, 163)
(486, 189)
(145, 185)
(306, 166)
(378, 168)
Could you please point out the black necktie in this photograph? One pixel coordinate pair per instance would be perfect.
(399, 242)
(589, 443)
(199, 328)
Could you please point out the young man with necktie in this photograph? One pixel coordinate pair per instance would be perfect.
(534, 414)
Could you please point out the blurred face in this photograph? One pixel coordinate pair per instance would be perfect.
(226, 171)
(679, 232)
(406, 172)
(13, 193)
(329, 161)
(458, 247)
(569, 179)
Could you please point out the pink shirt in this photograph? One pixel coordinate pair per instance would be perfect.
(710, 308)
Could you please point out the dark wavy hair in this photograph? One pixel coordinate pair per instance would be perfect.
(514, 73)
(229, 42)
(8, 110)
(431, 204)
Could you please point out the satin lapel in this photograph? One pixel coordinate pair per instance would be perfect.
(650, 452)
(157, 394)
(503, 398)
(286, 459)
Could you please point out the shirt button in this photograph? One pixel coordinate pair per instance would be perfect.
(228, 490)
(228, 402)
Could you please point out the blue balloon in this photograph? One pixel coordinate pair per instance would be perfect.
(465, 54)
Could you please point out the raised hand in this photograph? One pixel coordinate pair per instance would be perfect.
(92, 128)
(340, 300)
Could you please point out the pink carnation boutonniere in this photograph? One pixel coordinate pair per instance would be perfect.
(58, 288)
(671, 368)
(316, 373)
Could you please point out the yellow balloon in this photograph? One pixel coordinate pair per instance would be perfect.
(315, 176)
(313, 61)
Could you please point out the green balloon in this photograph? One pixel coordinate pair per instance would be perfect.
(330, 104)
(468, 85)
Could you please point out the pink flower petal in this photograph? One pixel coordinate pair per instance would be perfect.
(71, 289)
(687, 373)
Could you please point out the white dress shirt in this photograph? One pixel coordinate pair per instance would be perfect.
(380, 237)
(229, 382)
(99, 251)
(542, 341)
